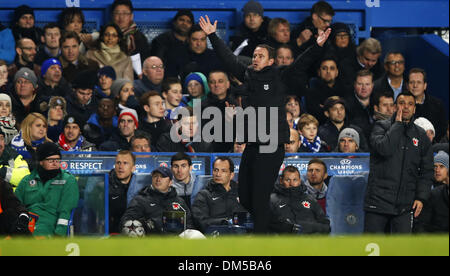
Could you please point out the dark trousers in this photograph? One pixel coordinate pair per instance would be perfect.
(257, 175)
(382, 223)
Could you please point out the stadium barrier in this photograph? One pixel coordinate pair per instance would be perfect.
(92, 173)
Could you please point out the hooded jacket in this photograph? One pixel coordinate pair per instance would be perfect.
(401, 167)
(293, 205)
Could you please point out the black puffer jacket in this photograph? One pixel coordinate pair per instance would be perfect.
(214, 205)
(401, 167)
(150, 204)
(293, 205)
(10, 208)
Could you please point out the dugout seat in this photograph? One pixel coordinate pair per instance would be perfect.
(199, 184)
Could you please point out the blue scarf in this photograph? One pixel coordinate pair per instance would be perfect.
(18, 144)
(312, 147)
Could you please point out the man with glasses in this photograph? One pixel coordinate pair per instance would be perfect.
(49, 192)
(25, 54)
(152, 78)
(394, 80)
(306, 33)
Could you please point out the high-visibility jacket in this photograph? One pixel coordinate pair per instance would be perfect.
(13, 167)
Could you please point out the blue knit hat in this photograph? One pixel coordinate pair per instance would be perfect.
(48, 63)
(200, 78)
(442, 158)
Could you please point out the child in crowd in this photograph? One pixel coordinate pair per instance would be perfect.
(307, 127)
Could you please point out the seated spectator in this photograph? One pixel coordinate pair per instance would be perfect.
(293, 106)
(172, 92)
(316, 175)
(184, 178)
(196, 56)
(7, 119)
(309, 141)
(358, 105)
(175, 40)
(102, 124)
(341, 44)
(279, 31)
(71, 59)
(152, 78)
(123, 187)
(293, 210)
(427, 126)
(24, 97)
(23, 25)
(394, 80)
(122, 92)
(50, 47)
(12, 166)
(154, 122)
(106, 76)
(81, 103)
(367, 58)
(136, 42)
(53, 205)
(187, 131)
(7, 45)
(33, 132)
(284, 55)
(335, 111)
(294, 142)
(127, 125)
(51, 82)
(196, 85)
(251, 32)
(14, 217)
(71, 139)
(320, 19)
(72, 19)
(25, 54)
(3, 76)
(217, 203)
(348, 141)
(111, 50)
(141, 142)
(149, 204)
(434, 217)
(427, 105)
(383, 105)
(55, 118)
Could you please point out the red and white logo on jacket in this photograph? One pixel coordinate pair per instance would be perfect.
(415, 142)
(306, 204)
(175, 205)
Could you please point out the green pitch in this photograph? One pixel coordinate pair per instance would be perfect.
(419, 245)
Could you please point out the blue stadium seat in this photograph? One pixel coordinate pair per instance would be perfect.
(199, 184)
(345, 202)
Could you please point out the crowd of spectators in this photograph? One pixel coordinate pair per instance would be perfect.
(79, 90)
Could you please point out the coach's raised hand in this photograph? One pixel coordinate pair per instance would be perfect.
(206, 25)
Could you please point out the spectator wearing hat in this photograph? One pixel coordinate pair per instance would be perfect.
(12, 165)
(51, 82)
(150, 203)
(122, 92)
(252, 31)
(427, 126)
(50, 48)
(341, 43)
(7, 119)
(23, 24)
(175, 40)
(81, 103)
(102, 124)
(57, 189)
(348, 141)
(154, 122)
(25, 54)
(434, 217)
(120, 139)
(24, 97)
(106, 76)
(71, 60)
(152, 78)
(71, 139)
(196, 84)
(56, 113)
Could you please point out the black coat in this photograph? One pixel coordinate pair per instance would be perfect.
(434, 110)
(11, 208)
(81, 112)
(214, 205)
(434, 216)
(401, 167)
(150, 204)
(348, 68)
(117, 201)
(293, 205)
(165, 144)
(329, 133)
(155, 129)
(254, 38)
(116, 142)
(359, 115)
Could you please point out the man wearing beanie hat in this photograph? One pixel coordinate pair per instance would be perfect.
(51, 82)
(348, 141)
(105, 76)
(58, 190)
(197, 86)
(435, 213)
(120, 140)
(24, 24)
(173, 41)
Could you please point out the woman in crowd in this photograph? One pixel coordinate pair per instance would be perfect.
(7, 120)
(56, 113)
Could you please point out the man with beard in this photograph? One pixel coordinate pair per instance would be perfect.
(23, 25)
(315, 183)
(174, 40)
(25, 54)
(49, 192)
(383, 105)
(72, 139)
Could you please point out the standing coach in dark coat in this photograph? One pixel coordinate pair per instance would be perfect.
(401, 171)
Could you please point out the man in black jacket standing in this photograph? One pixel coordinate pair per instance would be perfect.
(401, 171)
(266, 86)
